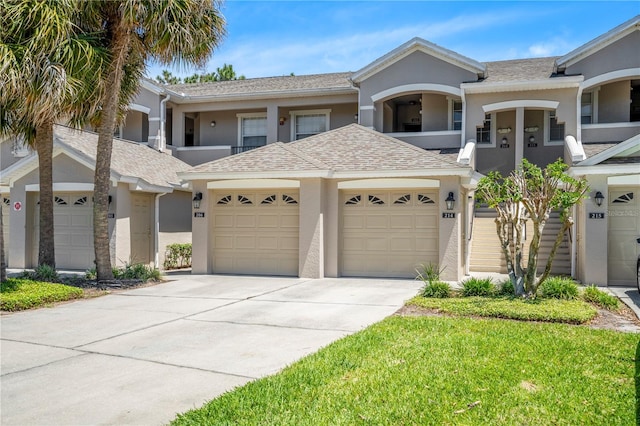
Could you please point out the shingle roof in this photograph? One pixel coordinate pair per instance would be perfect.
(351, 148)
(267, 85)
(128, 158)
(519, 70)
(591, 149)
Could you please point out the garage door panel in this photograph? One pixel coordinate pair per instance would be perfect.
(390, 239)
(624, 228)
(261, 238)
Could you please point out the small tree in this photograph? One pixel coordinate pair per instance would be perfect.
(530, 193)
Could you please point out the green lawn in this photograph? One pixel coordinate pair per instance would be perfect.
(19, 294)
(446, 370)
(539, 309)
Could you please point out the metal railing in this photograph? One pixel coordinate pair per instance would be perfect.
(239, 149)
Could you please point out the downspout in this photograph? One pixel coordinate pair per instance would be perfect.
(156, 239)
(162, 144)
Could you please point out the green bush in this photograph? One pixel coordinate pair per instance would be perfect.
(436, 289)
(478, 287)
(41, 273)
(137, 271)
(558, 288)
(19, 294)
(593, 294)
(428, 273)
(177, 256)
(505, 288)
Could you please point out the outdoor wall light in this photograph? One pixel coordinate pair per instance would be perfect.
(450, 201)
(283, 120)
(599, 198)
(355, 117)
(213, 124)
(504, 130)
(504, 143)
(532, 139)
(531, 129)
(196, 200)
(110, 199)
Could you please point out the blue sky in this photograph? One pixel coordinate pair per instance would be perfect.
(270, 38)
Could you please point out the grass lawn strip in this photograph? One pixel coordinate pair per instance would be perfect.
(446, 370)
(552, 310)
(20, 294)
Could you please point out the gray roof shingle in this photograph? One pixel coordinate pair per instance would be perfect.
(346, 149)
(127, 158)
(519, 70)
(267, 85)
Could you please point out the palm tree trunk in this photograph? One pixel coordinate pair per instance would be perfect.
(44, 148)
(102, 177)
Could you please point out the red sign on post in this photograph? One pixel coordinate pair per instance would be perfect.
(17, 206)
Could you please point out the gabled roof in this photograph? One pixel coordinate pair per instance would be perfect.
(620, 153)
(131, 162)
(414, 45)
(267, 87)
(352, 150)
(599, 43)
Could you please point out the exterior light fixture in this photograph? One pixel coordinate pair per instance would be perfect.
(196, 200)
(110, 199)
(531, 129)
(504, 130)
(213, 124)
(450, 201)
(355, 117)
(504, 143)
(282, 120)
(599, 198)
(532, 139)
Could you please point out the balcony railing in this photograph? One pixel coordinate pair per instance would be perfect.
(239, 149)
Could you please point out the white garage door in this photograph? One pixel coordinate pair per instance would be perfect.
(624, 229)
(388, 233)
(73, 231)
(256, 232)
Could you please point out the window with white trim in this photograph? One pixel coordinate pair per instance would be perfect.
(309, 123)
(456, 115)
(586, 108)
(252, 129)
(555, 129)
(483, 134)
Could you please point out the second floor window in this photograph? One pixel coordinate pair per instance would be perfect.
(556, 129)
(309, 123)
(586, 108)
(483, 134)
(456, 115)
(253, 130)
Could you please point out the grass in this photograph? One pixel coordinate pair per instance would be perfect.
(444, 370)
(552, 310)
(20, 294)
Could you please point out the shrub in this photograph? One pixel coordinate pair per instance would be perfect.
(19, 294)
(436, 289)
(136, 271)
(41, 273)
(478, 287)
(429, 273)
(91, 274)
(505, 288)
(593, 294)
(558, 288)
(177, 256)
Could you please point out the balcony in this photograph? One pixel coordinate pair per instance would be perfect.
(240, 149)
(431, 140)
(609, 132)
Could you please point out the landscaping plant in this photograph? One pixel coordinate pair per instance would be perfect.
(177, 256)
(593, 294)
(530, 193)
(18, 294)
(478, 287)
(559, 288)
(429, 274)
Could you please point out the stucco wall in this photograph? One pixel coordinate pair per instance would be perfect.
(613, 102)
(435, 112)
(623, 54)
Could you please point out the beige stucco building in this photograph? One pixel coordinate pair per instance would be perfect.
(372, 173)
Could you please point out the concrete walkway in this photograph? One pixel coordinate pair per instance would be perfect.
(630, 297)
(141, 356)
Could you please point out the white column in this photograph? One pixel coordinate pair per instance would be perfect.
(519, 135)
(311, 238)
(201, 235)
(272, 123)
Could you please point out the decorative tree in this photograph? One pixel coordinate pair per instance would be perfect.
(530, 193)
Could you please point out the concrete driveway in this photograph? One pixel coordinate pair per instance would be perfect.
(141, 356)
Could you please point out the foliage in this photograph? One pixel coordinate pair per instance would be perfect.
(593, 294)
(445, 371)
(177, 256)
(19, 294)
(559, 288)
(505, 288)
(530, 193)
(429, 273)
(478, 287)
(42, 273)
(550, 310)
(137, 271)
(224, 73)
(436, 289)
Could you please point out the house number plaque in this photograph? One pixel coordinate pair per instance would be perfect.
(198, 214)
(448, 215)
(599, 215)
